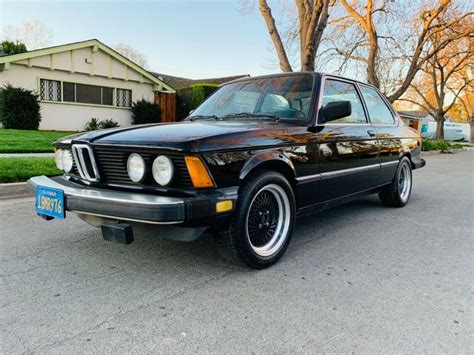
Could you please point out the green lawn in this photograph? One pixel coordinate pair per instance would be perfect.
(21, 169)
(19, 141)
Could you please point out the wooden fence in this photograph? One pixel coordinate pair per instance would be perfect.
(167, 102)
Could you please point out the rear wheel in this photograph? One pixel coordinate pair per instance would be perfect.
(260, 230)
(398, 192)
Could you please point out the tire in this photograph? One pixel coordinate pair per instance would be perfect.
(260, 228)
(398, 192)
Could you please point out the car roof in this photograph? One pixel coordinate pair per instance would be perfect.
(314, 74)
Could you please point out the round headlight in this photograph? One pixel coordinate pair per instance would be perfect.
(67, 160)
(136, 167)
(58, 158)
(162, 170)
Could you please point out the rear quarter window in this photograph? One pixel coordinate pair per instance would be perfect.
(379, 112)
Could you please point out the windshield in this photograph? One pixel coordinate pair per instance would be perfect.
(286, 97)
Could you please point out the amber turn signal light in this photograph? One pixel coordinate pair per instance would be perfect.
(198, 172)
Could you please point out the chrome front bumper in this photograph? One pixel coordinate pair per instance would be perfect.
(135, 207)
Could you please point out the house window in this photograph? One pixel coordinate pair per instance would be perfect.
(50, 90)
(123, 98)
(53, 90)
(88, 94)
(69, 92)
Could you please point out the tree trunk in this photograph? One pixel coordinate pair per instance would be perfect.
(472, 130)
(372, 76)
(440, 127)
(266, 12)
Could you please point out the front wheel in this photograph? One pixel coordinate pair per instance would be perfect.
(398, 192)
(260, 229)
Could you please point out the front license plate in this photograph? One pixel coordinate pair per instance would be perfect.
(50, 202)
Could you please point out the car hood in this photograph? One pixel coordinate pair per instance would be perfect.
(202, 135)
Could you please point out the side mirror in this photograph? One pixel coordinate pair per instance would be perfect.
(336, 110)
(190, 112)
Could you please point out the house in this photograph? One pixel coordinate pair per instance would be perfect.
(426, 124)
(413, 118)
(78, 81)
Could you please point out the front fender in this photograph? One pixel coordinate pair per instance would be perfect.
(266, 157)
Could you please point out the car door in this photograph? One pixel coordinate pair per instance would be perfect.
(383, 120)
(347, 147)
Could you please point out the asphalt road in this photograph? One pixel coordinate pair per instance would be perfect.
(356, 278)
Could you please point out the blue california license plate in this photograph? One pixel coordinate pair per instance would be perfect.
(50, 202)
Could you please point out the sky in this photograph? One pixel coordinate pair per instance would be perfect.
(189, 38)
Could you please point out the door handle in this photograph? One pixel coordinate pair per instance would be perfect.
(371, 132)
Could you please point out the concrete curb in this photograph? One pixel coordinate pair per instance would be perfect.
(14, 190)
(454, 151)
(430, 152)
(26, 155)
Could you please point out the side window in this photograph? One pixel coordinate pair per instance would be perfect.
(379, 113)
(335, 90)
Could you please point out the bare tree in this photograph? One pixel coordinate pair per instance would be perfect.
(312, 20)
(446, 75)
(133, 54)
(392, 44)
(34, 34)
(466, 103)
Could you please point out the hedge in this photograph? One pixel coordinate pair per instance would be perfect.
(188, 99)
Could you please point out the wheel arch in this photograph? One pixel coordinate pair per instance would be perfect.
(406, 153)
(270, 161)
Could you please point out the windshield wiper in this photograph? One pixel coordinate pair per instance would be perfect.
(198, 117)
(250, 115)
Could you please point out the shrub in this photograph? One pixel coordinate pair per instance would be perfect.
(19, 108)
(110, 123)
(145, 112)
(94, 124)
(188, 99)
(434, 145)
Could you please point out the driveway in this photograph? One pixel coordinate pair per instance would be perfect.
(356, 278)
